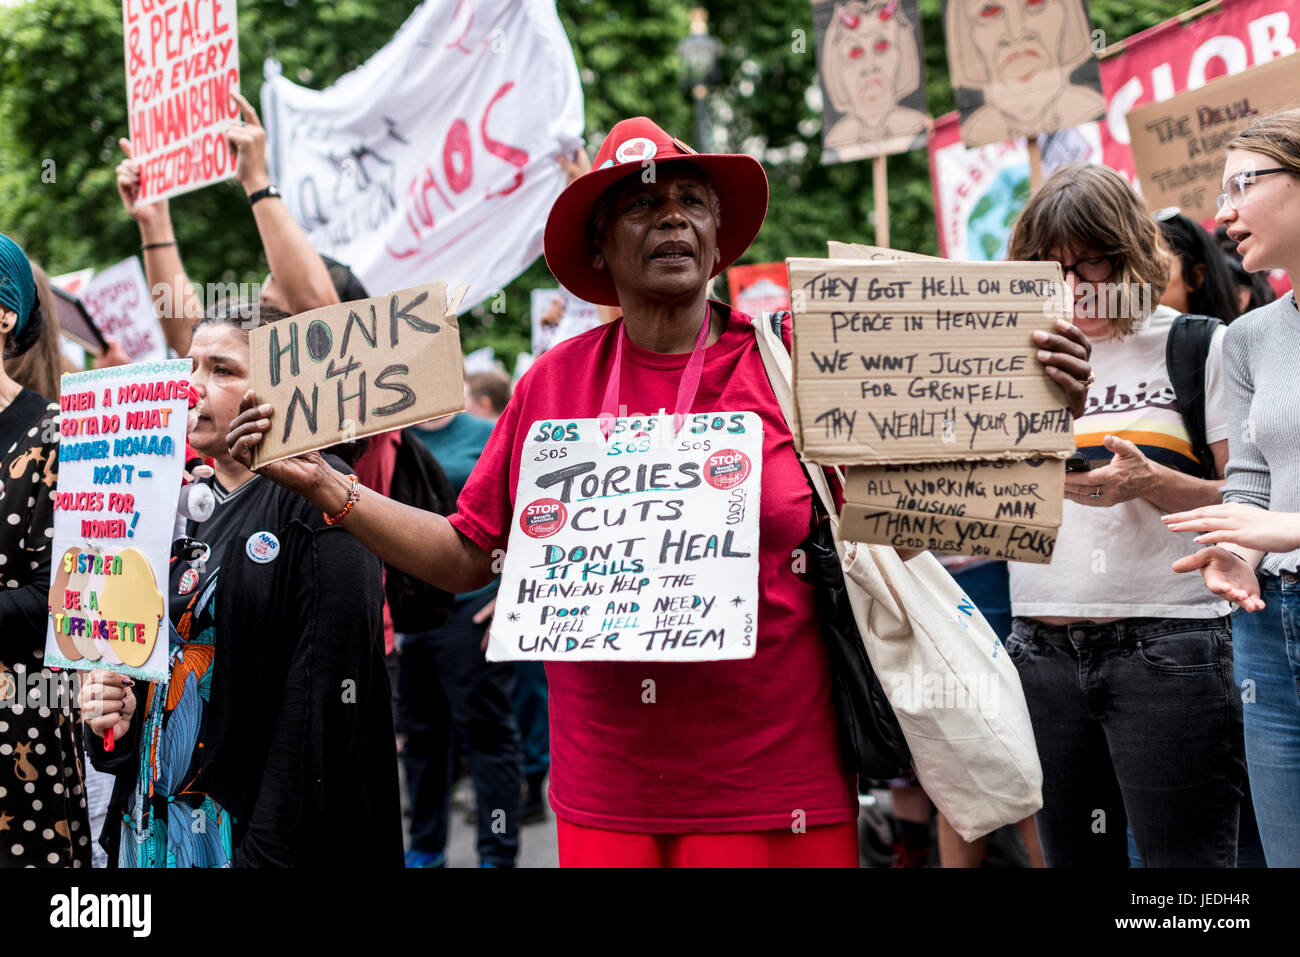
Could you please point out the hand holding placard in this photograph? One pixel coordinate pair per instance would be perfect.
(341, 372)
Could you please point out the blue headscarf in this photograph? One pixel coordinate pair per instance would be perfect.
(17, 287)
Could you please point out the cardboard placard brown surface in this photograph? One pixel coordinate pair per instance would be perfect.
(357, 368)
(1178, 145)
(870, 58)
(1020, 68)
(836, 250)
(925, 361)
(1008, 509)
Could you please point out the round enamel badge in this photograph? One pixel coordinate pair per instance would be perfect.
(262, 547)
(635, 150)
(189, 578)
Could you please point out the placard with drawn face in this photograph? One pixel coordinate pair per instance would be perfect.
(1022, 67)
(869, 56)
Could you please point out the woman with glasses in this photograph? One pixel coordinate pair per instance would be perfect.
(1258, 563)
(1127, 670)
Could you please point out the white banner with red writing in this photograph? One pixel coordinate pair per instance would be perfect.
(182, 65)
(437, 157)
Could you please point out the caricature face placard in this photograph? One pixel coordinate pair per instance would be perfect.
(121, 453)
(1021, 67)
(869, 55)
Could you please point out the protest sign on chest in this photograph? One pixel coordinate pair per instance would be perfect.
(924, 361)
(639, 547)
(121, 455)
(356, 368)
(119, 302)
(182, 65)
(1178, 145)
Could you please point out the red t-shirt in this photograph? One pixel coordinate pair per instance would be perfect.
(727, 745)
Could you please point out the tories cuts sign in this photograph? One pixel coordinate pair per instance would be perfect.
(182, 65)
(637, 547)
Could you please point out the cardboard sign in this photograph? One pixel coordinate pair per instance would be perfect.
(1021, 67)
(1178, 145)
(121, 454)
(1008, 509)
(119, 302)
(182, 65)
(924, 361)
(356, 368)
(869, 54)
(642, 547)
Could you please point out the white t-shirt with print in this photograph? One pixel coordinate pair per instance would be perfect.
(1114, 562)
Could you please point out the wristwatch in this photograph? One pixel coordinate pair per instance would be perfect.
(262, 194)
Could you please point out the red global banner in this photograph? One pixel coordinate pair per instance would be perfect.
(1185, 54)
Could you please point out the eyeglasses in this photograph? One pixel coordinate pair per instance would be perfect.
(1096, 269)
(1235, 192)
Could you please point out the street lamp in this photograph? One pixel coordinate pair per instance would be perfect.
(701, 53)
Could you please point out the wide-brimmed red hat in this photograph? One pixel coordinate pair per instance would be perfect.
(737, 179)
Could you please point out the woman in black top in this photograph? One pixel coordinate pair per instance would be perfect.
(272, 743)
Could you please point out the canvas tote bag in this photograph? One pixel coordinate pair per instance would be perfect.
(953, 687)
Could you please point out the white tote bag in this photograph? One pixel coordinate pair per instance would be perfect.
(953, 687)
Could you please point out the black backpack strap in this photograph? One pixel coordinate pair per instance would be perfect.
(1186, 351)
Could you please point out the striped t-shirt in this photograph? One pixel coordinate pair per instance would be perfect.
(1114, 562)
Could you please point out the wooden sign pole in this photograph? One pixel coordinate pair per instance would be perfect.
(1035, 165)
(880, 188)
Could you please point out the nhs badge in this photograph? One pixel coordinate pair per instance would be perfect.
(262, 547)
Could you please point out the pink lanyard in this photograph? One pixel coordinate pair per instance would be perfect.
(685, 391)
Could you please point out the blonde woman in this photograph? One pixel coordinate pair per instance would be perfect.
(1258, 563)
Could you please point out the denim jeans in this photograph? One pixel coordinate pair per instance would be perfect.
(446, 683)
(1268, 673)
(1137, 724)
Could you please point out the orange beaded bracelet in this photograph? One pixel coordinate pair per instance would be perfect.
(354, 495)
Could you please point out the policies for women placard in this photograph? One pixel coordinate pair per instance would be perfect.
(121, 455)
(639, 546)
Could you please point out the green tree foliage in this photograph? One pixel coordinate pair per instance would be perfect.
(62, 99)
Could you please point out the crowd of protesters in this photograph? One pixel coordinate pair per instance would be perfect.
(1152, 650)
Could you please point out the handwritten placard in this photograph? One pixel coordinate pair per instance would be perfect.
(1008, 508)
(642, 547)
(121, 454)
(924, 361)
(182, 65)
(353, 369)
(1178, 144)
(119, 302)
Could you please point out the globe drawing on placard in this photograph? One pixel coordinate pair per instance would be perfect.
(988, 229)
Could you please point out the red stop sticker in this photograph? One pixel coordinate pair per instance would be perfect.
(543, 518)
(726, 469)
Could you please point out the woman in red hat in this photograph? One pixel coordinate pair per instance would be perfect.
(653, 763)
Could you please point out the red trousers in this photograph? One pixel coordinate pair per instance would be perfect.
(828, 845)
